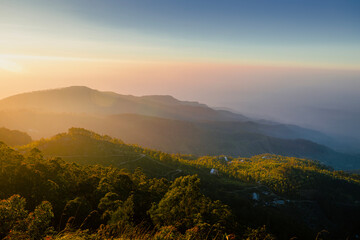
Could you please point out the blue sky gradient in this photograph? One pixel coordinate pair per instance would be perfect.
(308, 32)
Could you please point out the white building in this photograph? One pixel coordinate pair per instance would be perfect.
(255, 196)
(214, 171)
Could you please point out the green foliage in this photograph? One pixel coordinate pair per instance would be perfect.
(39, 220)
(12, 214)
(284, 175)
(16, 223)
(109, 204)
(105, 201)
(125, 213)
(84, 197)
(185, 207)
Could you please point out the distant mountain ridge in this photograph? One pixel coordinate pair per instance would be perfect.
(163, 123)
(79, 99)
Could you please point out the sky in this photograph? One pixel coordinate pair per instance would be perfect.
(260, 57)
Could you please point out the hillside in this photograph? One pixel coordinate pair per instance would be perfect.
(88, 148)
(14, 137)
(300, 194)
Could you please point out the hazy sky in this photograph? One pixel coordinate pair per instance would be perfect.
(257, 56)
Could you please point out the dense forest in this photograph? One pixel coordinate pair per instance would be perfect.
(82, 185)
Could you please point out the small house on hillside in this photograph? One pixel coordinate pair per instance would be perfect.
(255, 196)
(214, 171)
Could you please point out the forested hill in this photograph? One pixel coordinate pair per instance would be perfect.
(291, 196)
(14, 137)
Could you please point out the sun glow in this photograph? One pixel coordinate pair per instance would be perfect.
(10, 66)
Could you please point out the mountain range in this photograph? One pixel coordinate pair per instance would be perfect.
(164, 123)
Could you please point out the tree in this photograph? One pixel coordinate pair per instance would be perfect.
(39, 220)
(16, 223)
(12, 214)
(185, 207)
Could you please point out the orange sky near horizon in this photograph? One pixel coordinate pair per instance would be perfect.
(19, 73)
(110, 46)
